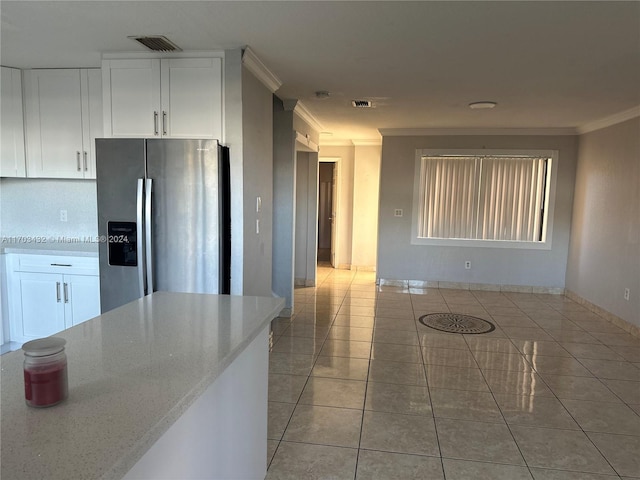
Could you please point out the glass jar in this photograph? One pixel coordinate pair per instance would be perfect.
(45, 372)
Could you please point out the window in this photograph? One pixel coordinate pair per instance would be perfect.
(489, 197)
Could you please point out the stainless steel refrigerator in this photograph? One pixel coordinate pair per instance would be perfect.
(163, 217)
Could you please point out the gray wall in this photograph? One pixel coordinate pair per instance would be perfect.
(257, 140)
(233, 139)
(306, 218)
(249, 135)
(399, 260)
(284, 202)
(30, 207)
(604, 255)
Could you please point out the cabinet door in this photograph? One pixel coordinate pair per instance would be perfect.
(54, 123)
(82, 298)
(41, 304)
(192, 98)
(131, 98)
(12, 159)
(92, 118)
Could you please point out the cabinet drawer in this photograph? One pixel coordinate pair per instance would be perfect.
(56, 264)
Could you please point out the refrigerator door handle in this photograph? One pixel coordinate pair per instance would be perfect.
(139, 229)
(148, 234)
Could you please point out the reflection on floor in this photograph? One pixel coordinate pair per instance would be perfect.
(359, 389)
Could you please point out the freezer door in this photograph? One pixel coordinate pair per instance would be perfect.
(120, 163)
(185, 227)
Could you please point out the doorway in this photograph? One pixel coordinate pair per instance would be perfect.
(325, 211)
(328, 182)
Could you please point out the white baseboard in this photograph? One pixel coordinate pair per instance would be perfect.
(488, 287)
(617, 321)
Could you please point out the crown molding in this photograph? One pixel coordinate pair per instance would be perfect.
(307, 116)
(260, 70)
(336, 143)
(403, 132)
(370, 142)
(610, 120)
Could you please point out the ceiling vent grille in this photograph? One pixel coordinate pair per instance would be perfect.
(157, 43)
(361, 103)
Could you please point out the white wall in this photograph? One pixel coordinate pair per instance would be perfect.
(345, 192)
(358, 204)
(31, 207)
(366, 186)
(399, 260)
(604, 255)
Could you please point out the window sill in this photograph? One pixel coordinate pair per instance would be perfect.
(462, 242)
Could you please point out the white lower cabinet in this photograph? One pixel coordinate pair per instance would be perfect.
(49, 294)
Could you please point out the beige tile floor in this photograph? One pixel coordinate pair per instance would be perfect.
(359, 389)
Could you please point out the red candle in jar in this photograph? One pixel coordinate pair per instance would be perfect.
(45, 372)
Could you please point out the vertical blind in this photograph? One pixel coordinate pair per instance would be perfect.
(482, 197)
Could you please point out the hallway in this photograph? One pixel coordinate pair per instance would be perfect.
(358, 389)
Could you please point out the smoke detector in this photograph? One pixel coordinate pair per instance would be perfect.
(157, 43)
(482, 105)
(361, 103)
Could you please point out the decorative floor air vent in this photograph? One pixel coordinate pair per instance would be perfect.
(456, 323)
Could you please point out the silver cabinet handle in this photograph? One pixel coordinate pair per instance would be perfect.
(58, 292)
(139, 233)
(66, 292)
(78, 160)
(148, 233)
(61, 265)
(155, 123)
(84, 155)
(164, 122)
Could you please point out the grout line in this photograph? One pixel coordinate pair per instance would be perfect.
(554, 306)
(498, 405)
(424, 368)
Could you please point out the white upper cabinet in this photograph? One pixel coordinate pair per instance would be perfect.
(131, 97)
(12, 159)
(64, 116)
(172, 98)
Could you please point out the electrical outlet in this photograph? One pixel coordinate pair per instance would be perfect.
(467, 265)
(63, 215)
(397, 212)
(627, 293)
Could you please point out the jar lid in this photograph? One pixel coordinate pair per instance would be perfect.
(44, 346)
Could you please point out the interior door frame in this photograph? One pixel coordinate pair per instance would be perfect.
(335, 237)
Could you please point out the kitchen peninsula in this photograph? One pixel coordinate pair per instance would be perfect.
(169, 386)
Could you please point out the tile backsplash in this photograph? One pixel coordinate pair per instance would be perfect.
(31, 207)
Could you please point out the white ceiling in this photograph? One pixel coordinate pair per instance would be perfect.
(548, 64)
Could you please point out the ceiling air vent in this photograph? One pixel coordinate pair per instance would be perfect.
(361, 103)
(157, 43)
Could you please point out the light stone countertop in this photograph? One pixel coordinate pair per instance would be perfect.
(75, 249)
(133, 372)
